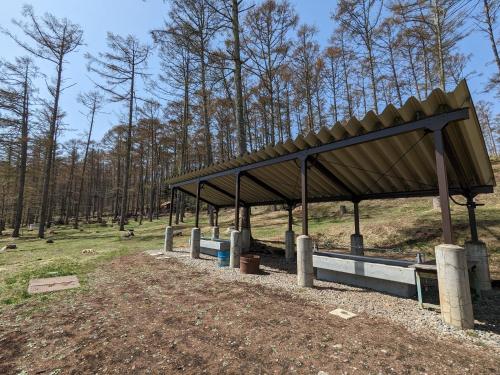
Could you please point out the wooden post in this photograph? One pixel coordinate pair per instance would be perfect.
(356, 218)
(237, 202)
(471, 208)
(443, 187)
(172, 194)
(303, 173)
(197, 217)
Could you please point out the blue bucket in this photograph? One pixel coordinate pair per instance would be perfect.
(223, 258)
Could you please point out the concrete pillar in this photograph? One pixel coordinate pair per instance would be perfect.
(305, 271)
(235, 249)
(289, 245)
(476, 251)
(195, 243)
(454, 289)
(169, 239)
(215, 233)
(245, 240)
(357, 244)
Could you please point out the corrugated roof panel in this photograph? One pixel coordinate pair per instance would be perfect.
(402, 163)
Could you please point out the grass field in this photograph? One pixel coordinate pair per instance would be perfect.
(401, 227)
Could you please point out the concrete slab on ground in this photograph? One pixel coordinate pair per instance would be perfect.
(53, 284)
(154, 253)
(344, 314)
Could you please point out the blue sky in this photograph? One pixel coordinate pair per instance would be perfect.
(137, 17)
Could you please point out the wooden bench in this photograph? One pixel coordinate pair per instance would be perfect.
(210, 247)
(384, 275)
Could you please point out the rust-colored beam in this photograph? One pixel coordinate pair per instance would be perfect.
(443, 187)
(356, 217)
(304, 190)
(197, 217)
(172, 197)
(263, 185)
(237, 202)
(320, 167)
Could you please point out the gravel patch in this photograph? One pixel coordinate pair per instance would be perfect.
(277, 274)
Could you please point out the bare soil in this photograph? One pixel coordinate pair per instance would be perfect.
(143, 315)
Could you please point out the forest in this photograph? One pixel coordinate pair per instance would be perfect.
(235, 76)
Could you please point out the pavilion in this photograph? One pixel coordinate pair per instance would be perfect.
(433, 147)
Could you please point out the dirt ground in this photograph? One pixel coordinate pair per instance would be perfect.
(142, 315)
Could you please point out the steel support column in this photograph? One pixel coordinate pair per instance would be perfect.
(303, 175)
(290, 218)
(471, 208)
(443, 187)
(356, 217)
(216, 217)
(197, 217)
(237, 202)
(172, 197)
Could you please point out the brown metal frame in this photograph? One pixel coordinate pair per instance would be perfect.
(237, 202)
(356, 217)
(309, 157)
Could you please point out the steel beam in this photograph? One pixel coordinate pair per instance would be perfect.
(172, 197)
(430, 123)
(304, 188)
(237, 202)
(197, 217)
(194, 196)
(471, 208)
(363, 197)
(222, 191)
(443, 187)
(330, 176)
(265, 186)
(290, 217)
(356, 217)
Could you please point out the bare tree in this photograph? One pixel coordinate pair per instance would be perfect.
(444, 19)
(485, 117)
(197, 22)
(361, 18)
(267, 43)
(305, 57)
(52, 40)
(16, 93)
(120, 68)
(488, 23)
(92, 101)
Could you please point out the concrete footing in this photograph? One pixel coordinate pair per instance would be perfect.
(195, 243)
(454, 289)
(477, 252)
(245, 240)
(305, 271)
(289, 245)
(357, 247)
(215, 233)
(235, 249)
(169, 239)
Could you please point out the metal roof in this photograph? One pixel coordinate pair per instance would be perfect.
(389, 155)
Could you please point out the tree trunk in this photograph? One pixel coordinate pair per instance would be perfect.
(24, 156)
(48, 154)
(80, 190)
(124, 207)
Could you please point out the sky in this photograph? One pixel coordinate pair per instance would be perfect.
(138, 17)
